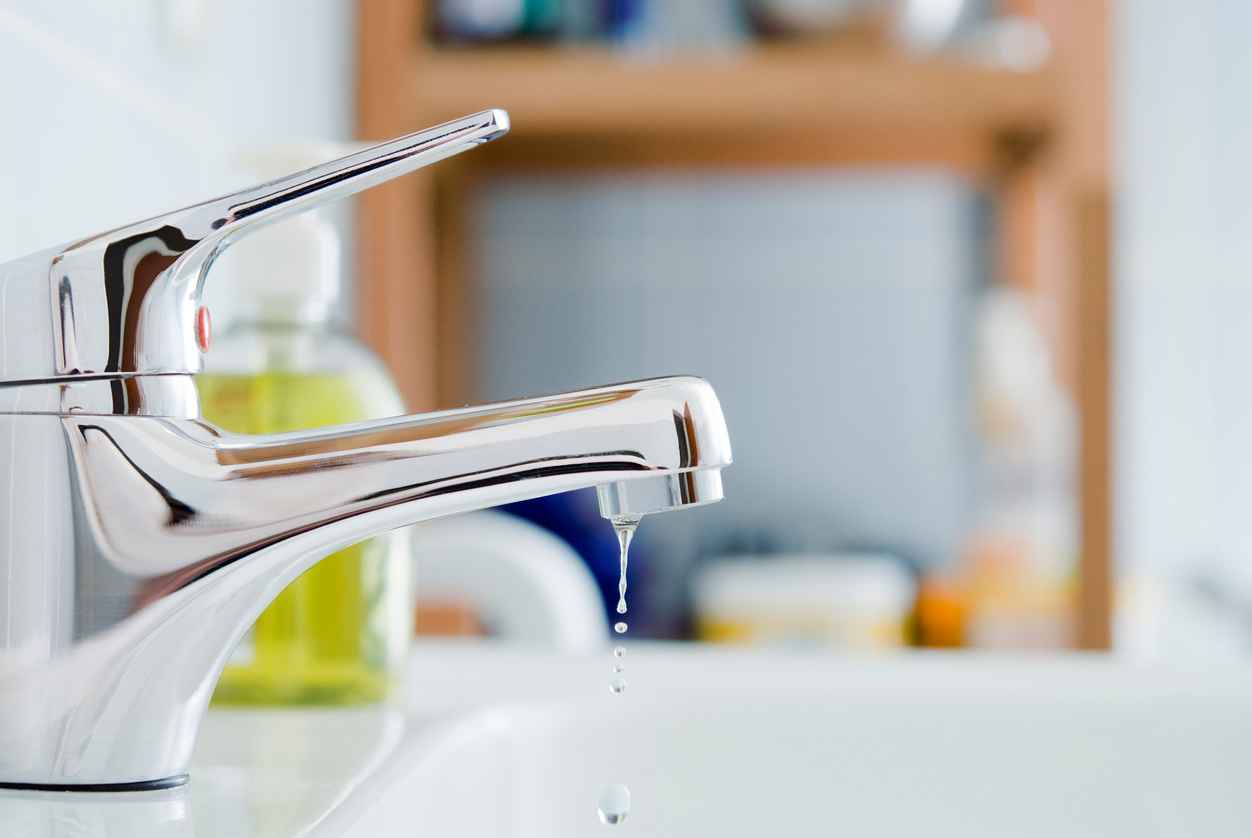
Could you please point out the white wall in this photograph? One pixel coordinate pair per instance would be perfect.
(1184, 285)
(114, 110)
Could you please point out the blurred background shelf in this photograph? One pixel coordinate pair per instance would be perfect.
(777, 104)
(1033, 144)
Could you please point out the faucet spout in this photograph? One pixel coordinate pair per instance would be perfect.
(171, 537)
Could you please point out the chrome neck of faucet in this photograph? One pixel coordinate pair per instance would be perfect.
(137, 549)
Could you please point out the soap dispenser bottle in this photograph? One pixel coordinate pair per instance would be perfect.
(338, 633)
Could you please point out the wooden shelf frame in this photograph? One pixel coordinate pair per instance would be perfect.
(1038, 139)
(586, 92)
(803, 106)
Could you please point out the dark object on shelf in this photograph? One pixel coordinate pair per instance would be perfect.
(622, 19)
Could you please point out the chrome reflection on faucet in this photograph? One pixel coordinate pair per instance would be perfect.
(138, 542)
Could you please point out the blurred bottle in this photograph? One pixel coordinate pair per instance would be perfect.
(1019, 564)
(940, 617)
(581, 19)
(477, 21)
(338, 633)
(807, 19)
(930, 25)
(974, 29)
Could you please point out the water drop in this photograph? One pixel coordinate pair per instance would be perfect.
(624, 526)
(614, 804)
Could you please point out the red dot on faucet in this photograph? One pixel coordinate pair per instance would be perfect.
(204, 328)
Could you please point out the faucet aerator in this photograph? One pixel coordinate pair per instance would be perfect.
(634, 498)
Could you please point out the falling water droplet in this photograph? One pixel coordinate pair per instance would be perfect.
(614, 804)
(624, 526)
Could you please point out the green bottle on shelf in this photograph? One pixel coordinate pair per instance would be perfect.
(338, 634)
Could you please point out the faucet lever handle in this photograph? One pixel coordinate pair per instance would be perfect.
(354, 172)
(126, 302)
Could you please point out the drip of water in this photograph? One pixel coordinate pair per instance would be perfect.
(624, 526)
(614, 804)
(615, 799)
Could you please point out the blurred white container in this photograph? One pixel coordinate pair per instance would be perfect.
(524, 584)
(1019, 562)
(842, 601)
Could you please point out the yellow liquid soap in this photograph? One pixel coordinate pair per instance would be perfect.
(331, 636)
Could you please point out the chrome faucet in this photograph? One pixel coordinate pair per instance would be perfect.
(138, 543)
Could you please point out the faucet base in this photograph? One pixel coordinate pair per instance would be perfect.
(145, 785)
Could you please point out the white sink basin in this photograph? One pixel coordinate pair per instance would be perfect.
(748, 745)
(498, 743)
